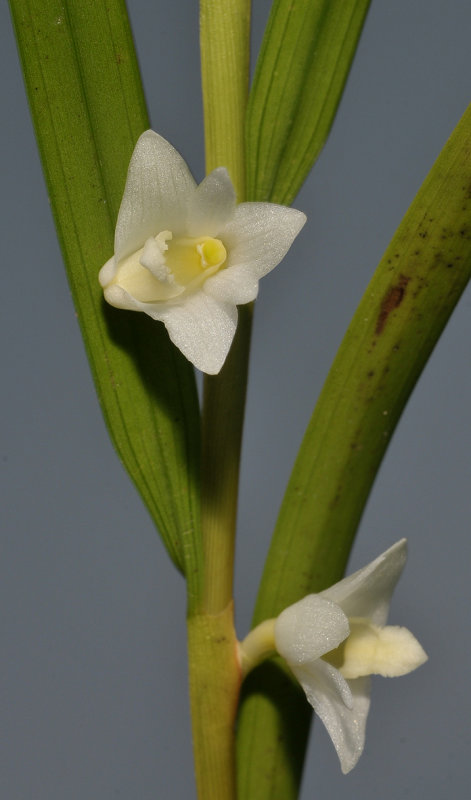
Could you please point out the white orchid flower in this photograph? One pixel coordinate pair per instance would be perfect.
(333, 641)
(188, 255)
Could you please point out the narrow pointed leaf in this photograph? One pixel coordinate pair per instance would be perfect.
(303, 64)
(402, 314)
(88, 109)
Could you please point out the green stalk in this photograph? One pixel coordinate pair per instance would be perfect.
(225, 54)
(214, 689)
(213, 663)
(223, 413)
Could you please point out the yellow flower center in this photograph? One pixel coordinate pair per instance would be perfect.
(190, 259)
(165, 267)
(374, 650)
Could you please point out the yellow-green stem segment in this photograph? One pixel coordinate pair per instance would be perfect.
(214, 687)
(225, 52)
(223, 410)
(213, 657)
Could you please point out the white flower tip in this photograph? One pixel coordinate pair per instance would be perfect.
(302, 219)
(150, 137)
(207, 363)
(396, 555)
(149, 134)
(297, 221)
(399, 546)
(221, 175)
(348, 762)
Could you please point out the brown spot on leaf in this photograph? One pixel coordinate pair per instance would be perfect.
(393, 299)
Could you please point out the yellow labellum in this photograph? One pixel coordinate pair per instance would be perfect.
(389, 651)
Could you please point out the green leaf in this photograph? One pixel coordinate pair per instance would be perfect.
(403, 311)
(303, 64)
(88, 109)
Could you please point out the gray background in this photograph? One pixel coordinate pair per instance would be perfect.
(93, 676)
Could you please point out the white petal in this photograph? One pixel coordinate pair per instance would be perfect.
(260, 234)
(238, 286)
(367, 593)
(202, 329)
(212, 205)
(342, 707)
(310, 628)
(158, 187)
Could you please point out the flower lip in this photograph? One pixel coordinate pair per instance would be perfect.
(186, 255)
(389, 651)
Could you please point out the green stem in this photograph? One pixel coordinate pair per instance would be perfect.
(213, 657)
(225, 51)
(223, 416)
(215, 678)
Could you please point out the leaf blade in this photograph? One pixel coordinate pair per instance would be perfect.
(88, 107)
(303, 65)
(401, 316)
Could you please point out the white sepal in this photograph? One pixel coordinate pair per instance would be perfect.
(202, 329)
(260, 234)
(156, 194)
(367, 593)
